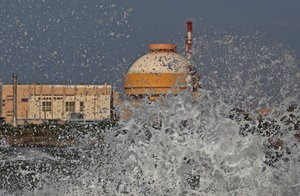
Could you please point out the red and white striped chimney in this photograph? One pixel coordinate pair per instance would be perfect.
(188, 41)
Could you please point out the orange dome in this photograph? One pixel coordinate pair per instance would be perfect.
(160, 71)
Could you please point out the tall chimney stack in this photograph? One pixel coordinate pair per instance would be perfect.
(188, 42)
(15, 85)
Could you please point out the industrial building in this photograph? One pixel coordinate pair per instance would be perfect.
(160, 72)
(163, 71)
(36, 104)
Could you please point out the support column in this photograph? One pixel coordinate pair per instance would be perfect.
(15, 96)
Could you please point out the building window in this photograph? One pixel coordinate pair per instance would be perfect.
(70, 106)
(81, 106)
(24, 99)
(46, 106)
(10, 97)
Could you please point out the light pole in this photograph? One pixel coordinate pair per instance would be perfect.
(15, 84)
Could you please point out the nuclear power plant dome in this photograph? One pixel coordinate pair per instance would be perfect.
(158, 72)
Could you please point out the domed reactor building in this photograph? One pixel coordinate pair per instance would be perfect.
(162, 71)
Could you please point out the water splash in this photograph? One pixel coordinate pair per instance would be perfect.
(247, 64)
(180, 146)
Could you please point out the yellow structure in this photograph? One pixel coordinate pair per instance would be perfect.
(159, 72)
(44, 103)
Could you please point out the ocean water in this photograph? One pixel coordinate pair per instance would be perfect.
(182, 146)
(174, 147)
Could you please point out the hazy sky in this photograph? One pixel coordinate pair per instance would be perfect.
(94, 41)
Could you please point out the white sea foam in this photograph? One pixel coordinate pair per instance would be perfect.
(179, 146)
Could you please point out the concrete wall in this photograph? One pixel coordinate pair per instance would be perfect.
(37, 102)
(94, 107)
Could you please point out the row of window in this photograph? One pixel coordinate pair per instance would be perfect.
(69, 105)
(49, 98)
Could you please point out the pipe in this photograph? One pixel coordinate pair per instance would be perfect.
(15, 86)
(188, 42)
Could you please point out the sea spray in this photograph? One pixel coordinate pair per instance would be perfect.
(193, 152)
(177, 146)
(216, 145)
